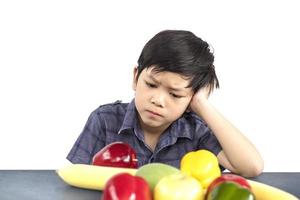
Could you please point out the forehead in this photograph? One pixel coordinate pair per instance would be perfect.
(170, 79)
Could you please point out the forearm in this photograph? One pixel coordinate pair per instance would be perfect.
(239, 151)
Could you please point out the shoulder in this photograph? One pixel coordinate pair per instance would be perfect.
(109, 115)
(193, 118)
(196, 123)
(115, 108)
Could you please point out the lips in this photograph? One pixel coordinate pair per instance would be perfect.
(154, 113)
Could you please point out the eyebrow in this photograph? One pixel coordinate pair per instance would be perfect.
(154, 79)
(171, 88)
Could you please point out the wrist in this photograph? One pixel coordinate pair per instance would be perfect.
(200, 105)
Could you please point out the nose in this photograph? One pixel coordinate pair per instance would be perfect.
(158, 100)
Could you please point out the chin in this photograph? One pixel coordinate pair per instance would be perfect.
(152, 123)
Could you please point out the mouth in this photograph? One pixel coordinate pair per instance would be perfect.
(154, 113)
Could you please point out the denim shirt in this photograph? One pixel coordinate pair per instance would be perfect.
(119, 122)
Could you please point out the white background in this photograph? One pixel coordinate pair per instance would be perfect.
(60, 60)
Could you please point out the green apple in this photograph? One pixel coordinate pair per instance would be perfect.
(178, 187)
(153, 172)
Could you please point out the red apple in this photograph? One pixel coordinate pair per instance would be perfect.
(229, 178)
(124, 186)
(117, 154)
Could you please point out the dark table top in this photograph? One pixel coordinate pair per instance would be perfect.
(46, 185)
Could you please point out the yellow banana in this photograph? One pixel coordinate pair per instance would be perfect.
(267, 192)
(90, 176)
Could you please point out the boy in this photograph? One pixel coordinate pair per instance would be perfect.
(170, 114)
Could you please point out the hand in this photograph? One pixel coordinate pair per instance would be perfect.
(200, 97)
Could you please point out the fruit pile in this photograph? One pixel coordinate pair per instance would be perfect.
(115, 172)
(199, 171)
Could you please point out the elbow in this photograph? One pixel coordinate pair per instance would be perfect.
(254, 170)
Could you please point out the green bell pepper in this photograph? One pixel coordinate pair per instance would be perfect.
(230, 191)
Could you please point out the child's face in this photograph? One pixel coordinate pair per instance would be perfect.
(160, 98)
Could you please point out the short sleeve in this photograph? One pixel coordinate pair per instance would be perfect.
(91, 139)
(209, 142)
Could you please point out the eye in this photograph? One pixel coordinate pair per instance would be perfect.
(151, 85)
(175, 96)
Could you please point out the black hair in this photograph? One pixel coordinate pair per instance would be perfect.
(180, 52)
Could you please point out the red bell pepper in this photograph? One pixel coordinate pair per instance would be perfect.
(117, 154)
(124, 186)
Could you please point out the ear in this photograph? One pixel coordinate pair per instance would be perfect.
(134, 81)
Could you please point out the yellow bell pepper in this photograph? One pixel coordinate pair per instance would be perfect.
(202, 165)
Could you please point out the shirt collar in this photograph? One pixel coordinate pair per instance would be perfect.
(130, 118)
(180, 128)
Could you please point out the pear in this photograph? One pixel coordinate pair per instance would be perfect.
(153, 172)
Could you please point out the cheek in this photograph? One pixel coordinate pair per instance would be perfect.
(138, 89)
(178, 108)
(141, 96)
(141, 93)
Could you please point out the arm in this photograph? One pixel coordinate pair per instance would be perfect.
(238, 154)
(89, 141)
